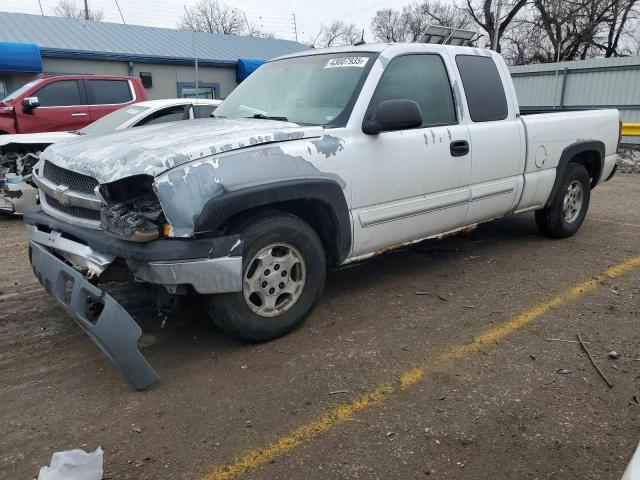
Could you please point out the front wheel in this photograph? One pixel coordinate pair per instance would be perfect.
(569, 207)
(283, 274)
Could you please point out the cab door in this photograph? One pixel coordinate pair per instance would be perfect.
(413, 183)
(62, 107)
(497, 139)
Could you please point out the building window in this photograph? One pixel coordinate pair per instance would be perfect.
(204, 90)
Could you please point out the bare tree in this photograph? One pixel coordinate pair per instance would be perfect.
(388, 25)
(69, 9)
(212, 17)
(482, 13)
(411, 24)
(336, 33)
(621, 29)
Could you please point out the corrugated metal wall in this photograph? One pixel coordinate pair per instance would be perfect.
(595, 83)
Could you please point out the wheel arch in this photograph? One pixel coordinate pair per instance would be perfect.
(319, 202)
(588, 153)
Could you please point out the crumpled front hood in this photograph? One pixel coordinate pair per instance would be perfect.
(155, 149)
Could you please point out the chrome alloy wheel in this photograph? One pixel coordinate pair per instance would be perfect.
(274, 280)
(572, 203)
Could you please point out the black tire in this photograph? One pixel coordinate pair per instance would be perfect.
(231, 312)
(551, 221)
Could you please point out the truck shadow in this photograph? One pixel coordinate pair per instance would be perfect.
(191, 336)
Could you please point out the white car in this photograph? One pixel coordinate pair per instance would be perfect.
(20, 152)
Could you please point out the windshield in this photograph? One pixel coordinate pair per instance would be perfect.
(111, 122)
(16, 93)
(313, 90)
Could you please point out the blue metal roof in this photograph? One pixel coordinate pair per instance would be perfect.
(20, 57)
(66, 38)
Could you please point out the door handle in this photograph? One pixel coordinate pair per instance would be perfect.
(458, 148)
(79, 114)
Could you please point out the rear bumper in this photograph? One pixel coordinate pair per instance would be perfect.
(114, 331)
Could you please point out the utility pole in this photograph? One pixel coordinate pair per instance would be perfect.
(496, 25)
(86, 9)
(295, 26)
(121, 16)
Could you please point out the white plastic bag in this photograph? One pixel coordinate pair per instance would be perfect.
(74, 465)
(633, 469)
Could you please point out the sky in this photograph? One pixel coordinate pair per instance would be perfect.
(271, 15)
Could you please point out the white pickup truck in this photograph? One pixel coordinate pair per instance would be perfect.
(317, 160)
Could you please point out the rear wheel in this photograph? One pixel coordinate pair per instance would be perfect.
(283, 276)
(568, 209)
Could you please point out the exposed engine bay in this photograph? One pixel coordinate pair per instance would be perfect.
(17, 161)
(131, 210)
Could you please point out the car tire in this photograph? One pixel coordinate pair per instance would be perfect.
(569, 207)
(283, 273)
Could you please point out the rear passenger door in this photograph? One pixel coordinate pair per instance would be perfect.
(497, 140)
(105, 96)
(62, 108)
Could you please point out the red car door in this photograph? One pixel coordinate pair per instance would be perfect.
(62, 107)
(107, 95)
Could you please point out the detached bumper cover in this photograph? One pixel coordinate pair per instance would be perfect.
(114, 331)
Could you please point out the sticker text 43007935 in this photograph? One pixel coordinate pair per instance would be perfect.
(340, 62)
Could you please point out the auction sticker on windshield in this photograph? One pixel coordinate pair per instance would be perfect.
(340, 62)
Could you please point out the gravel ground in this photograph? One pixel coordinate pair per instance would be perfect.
(502, 412)
(629, 160)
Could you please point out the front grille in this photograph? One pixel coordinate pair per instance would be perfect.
(78, 212)
(75, 181)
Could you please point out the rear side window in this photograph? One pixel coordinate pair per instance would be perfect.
(62, 93)
(483, 88)
(172, 114)
(203, 111)
(105, 92)
(423, 79)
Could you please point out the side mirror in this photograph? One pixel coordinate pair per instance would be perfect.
(29, 104)
(393, 115)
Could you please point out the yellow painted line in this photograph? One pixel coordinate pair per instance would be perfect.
(631, 129)
(340, 414)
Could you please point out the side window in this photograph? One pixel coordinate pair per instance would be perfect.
(483, 88)
(106, 92)
(172, 114)
(62, 93)
(423, 79)
(204, 111)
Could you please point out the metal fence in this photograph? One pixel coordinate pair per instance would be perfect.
(584, 84)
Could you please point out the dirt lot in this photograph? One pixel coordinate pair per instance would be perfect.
(498, 411)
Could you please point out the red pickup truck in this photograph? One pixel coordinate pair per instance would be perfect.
(69, 102)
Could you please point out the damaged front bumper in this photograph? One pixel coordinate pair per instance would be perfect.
(69, 260)
(114, 331)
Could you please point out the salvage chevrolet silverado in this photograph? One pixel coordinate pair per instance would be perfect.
(316, 160)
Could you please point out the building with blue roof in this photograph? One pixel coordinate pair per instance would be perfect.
(32, 45)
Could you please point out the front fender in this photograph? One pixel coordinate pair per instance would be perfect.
(199, 196)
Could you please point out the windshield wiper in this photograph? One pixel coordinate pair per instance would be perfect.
(262, 116)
